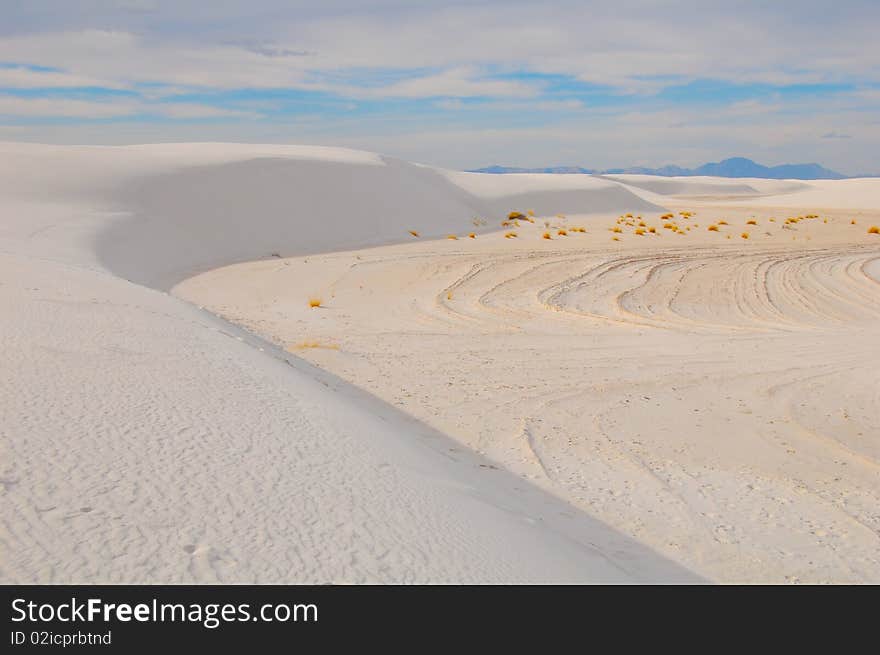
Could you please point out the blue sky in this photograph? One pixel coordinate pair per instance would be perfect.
(458, 84)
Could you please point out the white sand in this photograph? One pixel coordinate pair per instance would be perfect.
(714, 398)
(145, 440)
(665, 410)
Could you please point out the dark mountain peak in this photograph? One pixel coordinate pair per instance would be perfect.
(742, 167)
(730, 167)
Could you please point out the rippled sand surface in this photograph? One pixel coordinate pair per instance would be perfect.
(712, 396)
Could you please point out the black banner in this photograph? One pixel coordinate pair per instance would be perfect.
(135, 618)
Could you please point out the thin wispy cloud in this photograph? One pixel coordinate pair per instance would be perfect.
(13, 106)
(24, 77)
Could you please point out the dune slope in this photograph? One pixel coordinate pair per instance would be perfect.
(145, 440)
(206, 216)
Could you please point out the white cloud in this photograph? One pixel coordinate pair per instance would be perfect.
(126, 58)
(450, 104)
(623, 45)
(123, 59)
(633, 46)
(42, 107)
(514, 105)
(194, 110)
(20, 77)
(95, 109)
(456, 83)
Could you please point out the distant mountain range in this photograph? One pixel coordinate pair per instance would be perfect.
(733, 167)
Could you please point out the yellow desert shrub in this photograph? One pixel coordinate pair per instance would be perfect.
(712, 228)
(314, 302)
(852, 222)
(723, 222)
(451, 237)
(312, 343)
(510, 235)
(751, 222)
(874, 230)
(514, 215)
(414, 233)
(472, 235)
(652, 230)
(640, 231)
(546, 235)
(745, 235)
(531, 212)
(562, 233)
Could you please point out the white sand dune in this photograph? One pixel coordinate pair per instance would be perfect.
(146, 440)
(206, 216)
(497, 428)
(711, 396)
(697, 186)
(856, 194)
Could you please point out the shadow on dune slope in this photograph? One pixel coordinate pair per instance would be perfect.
(209, 216)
